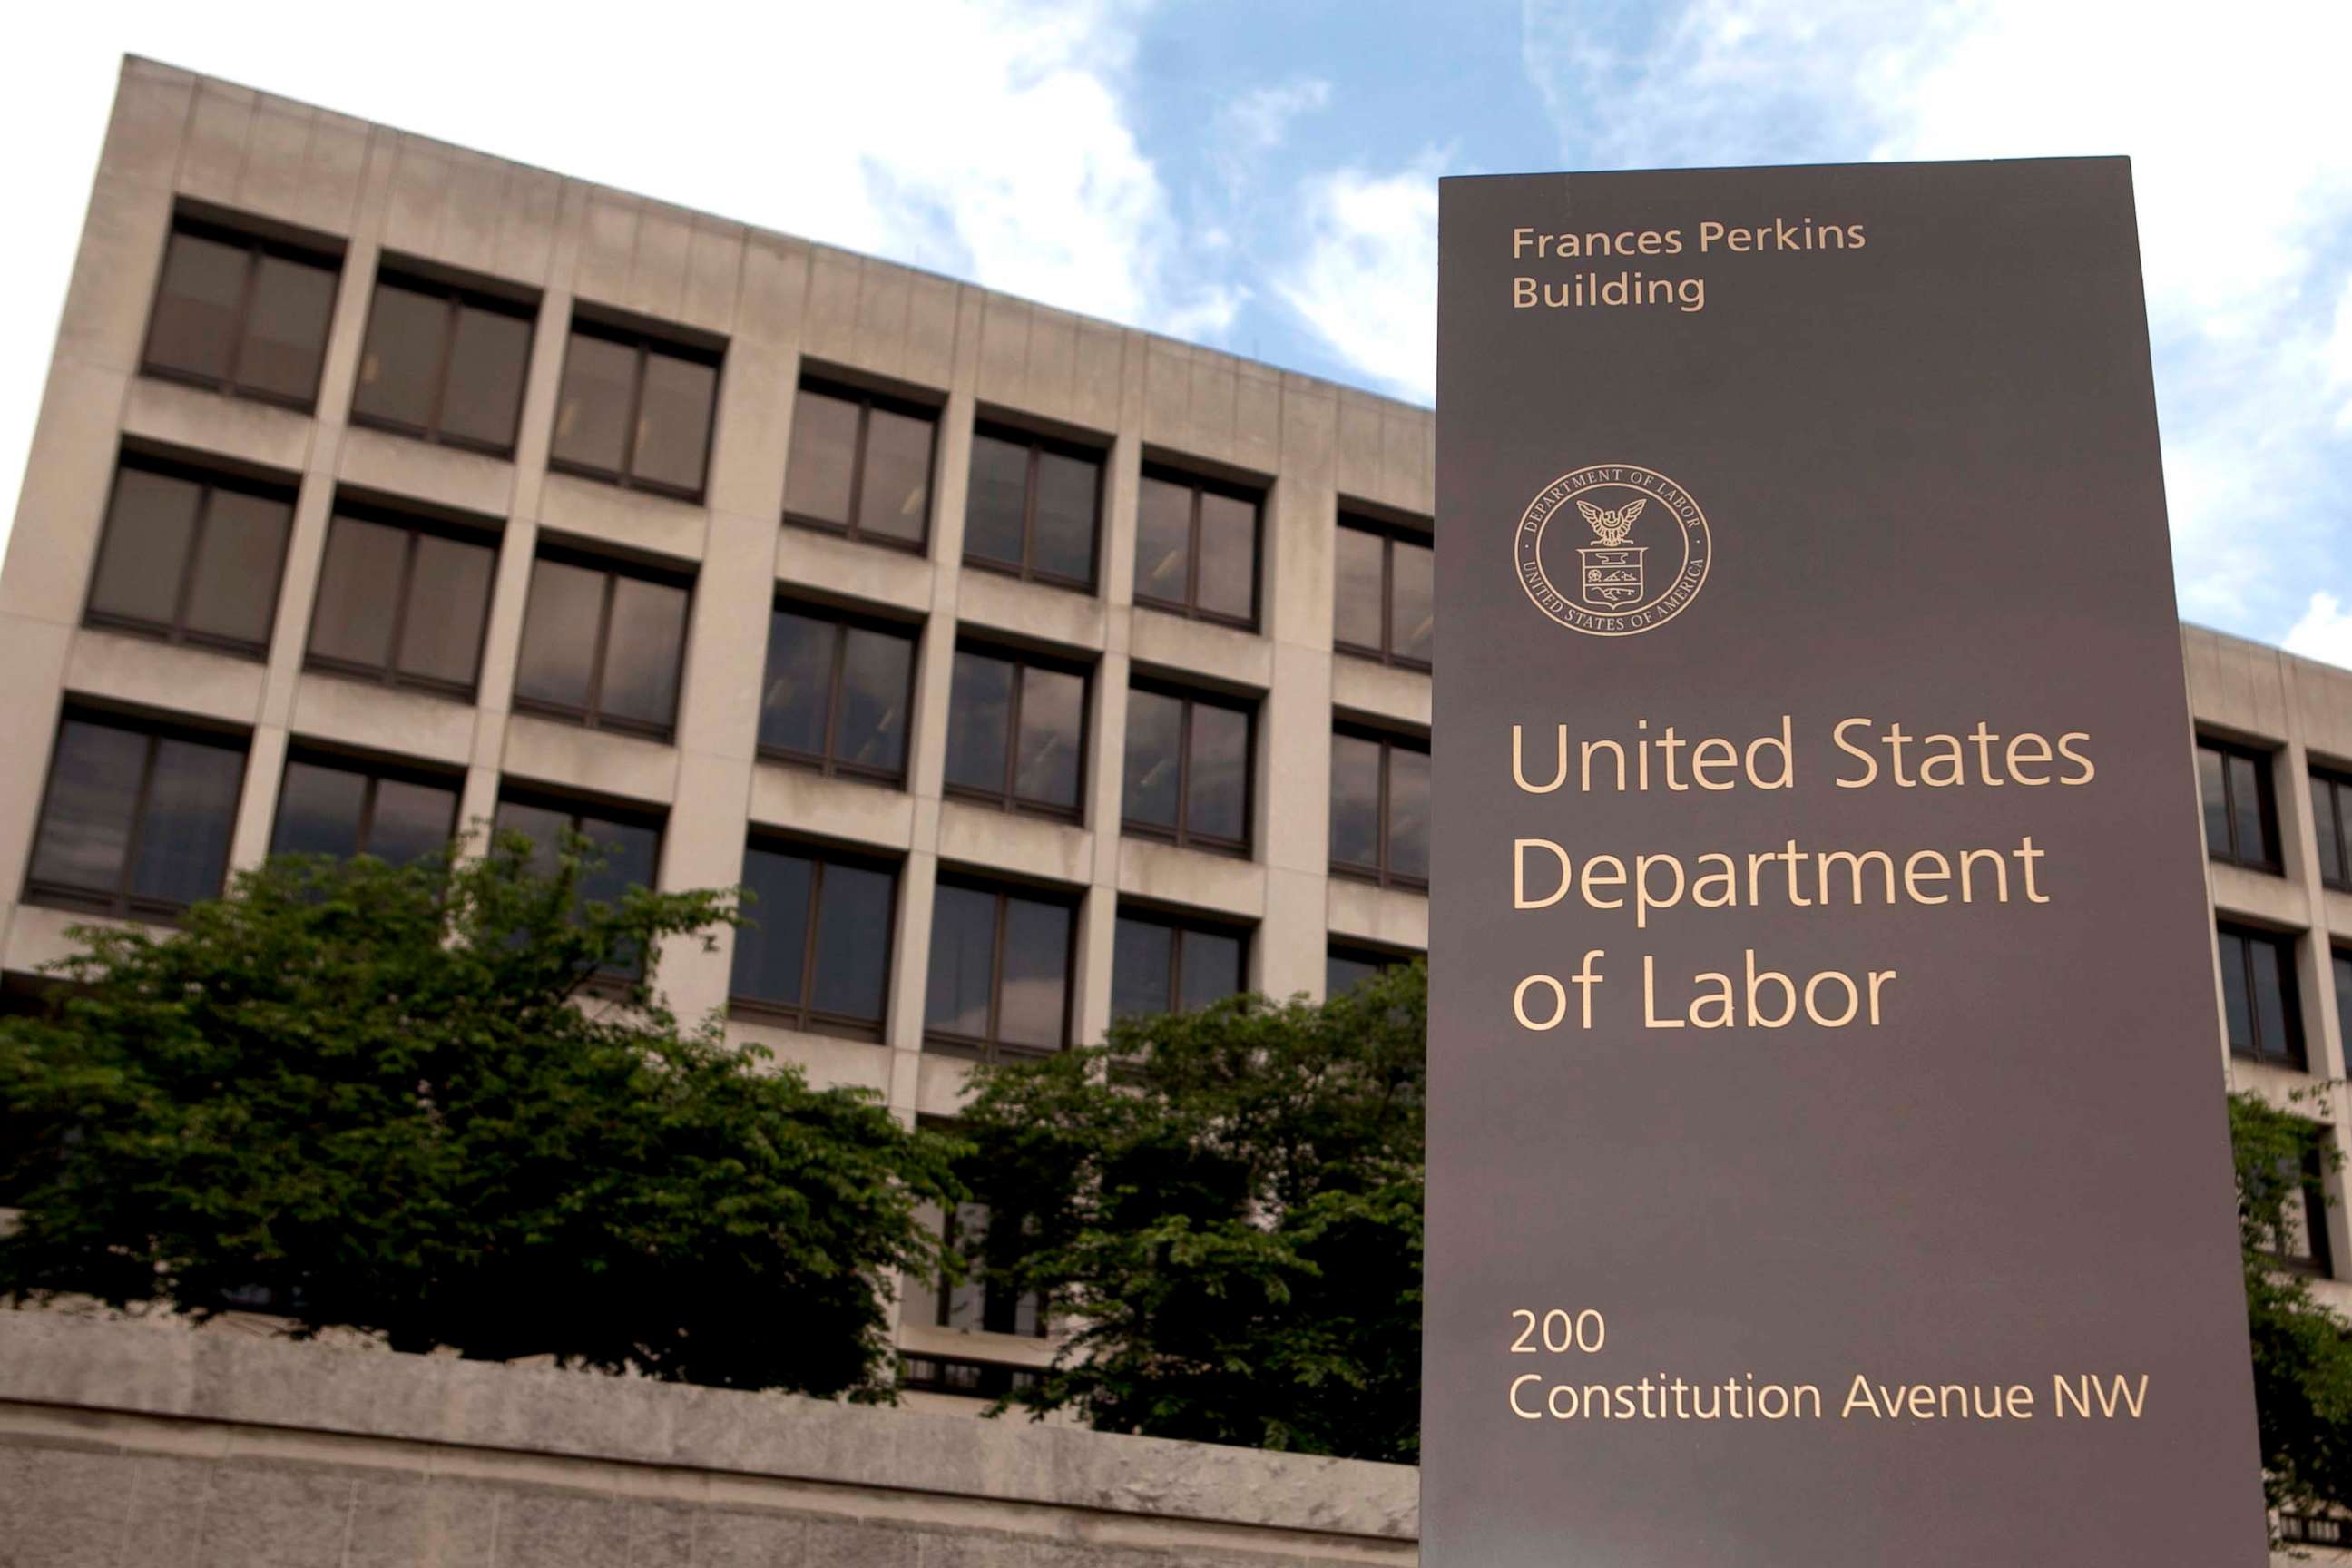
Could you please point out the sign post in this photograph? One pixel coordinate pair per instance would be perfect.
(1828, 1164)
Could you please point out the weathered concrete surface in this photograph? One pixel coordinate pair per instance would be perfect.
(130, 1445)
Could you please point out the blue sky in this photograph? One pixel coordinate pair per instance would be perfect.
(1261, 177)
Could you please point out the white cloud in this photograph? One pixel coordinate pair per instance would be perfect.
(991, 140)
(1260, 118)
(1365, 280)
(2242, 170)
(2323, 632)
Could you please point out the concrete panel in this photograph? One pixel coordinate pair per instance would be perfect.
(753, 432)
(826, 1060)
(1052, 363)
(596, 513)
(985, 839)
(470, 223)
(407, 468)
(1256, 441)
(1099, 367)
(420, 183)
(206, 422)
(146, 673)
(726, 647)
(62, 510)
(1380, 691)
(1004, 351)
(1388, 917)
(829, 317)
(657, 268)
(714, 271)
(527, 214)
(804, 801)
(882, 296)
(38, 936)
(843, 570)
(212, 158)
(566, 757)
(1197, 649)
(1032, 611)
(608, 240)
(1192, 878)
(345, 712)
(775, 284)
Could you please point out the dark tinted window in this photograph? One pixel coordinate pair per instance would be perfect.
(635, 410)
(836, 693)
(860, 464)
(241, 315)
(628, 848)
(1016, 732)
(817, 953)
(1384, 593)
(2301, 1241)
(2258, 995)
(135, 822)
(402, 601)
(443, 362)
(1164, 965)
(1187, 774)
(990, 1242)
(999, 981)
(191, 556)
(1345, 968)
(333, 807)
(1032, 508)
(2331, 822)
(602, 645)
(2240, 824)
(1196, 548)
(1380, 808)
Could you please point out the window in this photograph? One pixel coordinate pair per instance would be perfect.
(191, 556)
(1196, 548)
(2241, 827)
(2331, 822)
(999, 982)
(1187, 777)
(2312, 1530)
(817, 953)
(635, 410)
(402, 601)
(2258, 995)
(1161, 965)
(328, 807)
(1385, 593)
(1345, 968)
(986, 1299)
(972, 1379)
(1034, 508)
(2301, 1240)
(2340, 962)
(1016, 732)
(1380, 808)
(627, 845)
(837, 693)
(600, 645)
(137, 819)
(241, 315)
(443, 362)
(860, 464)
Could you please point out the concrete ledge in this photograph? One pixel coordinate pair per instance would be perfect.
(161, 1370)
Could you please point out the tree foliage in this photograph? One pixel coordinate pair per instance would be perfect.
(2303, 1359)
(444, 1103)
(1226, 1205)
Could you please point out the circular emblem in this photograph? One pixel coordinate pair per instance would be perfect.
(1612, 549)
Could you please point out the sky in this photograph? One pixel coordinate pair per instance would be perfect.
(1261, 174)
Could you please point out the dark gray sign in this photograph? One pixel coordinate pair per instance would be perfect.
(1828, 1158)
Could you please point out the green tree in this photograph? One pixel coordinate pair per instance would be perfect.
(444, 1103)
(1225, 1206)
(2303, 1359)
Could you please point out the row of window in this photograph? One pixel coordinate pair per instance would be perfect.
(2242, 812)
(404, 600)
(445, 360)
(137, 819)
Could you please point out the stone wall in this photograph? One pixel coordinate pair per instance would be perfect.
(126, 1445)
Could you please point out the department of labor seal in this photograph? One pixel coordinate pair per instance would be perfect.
(1612, 549)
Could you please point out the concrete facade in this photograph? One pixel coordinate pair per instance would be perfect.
(134, 1445)
(782, 309)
